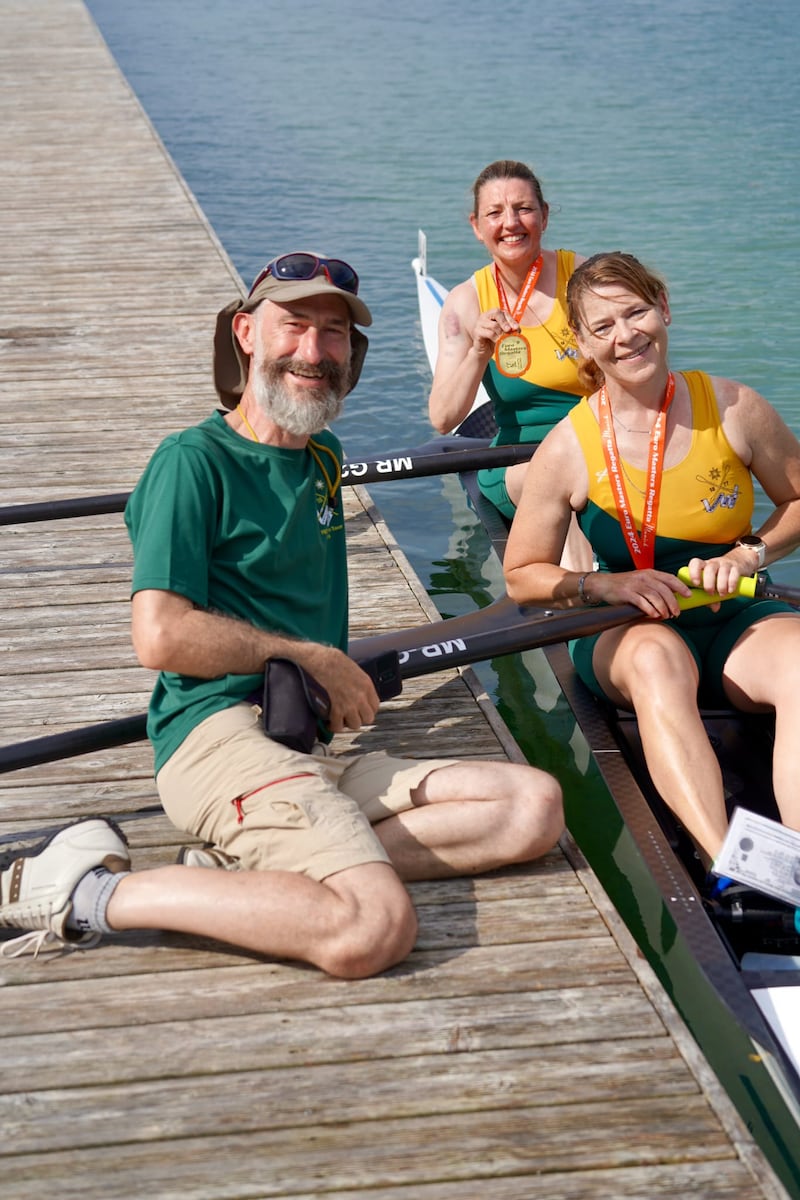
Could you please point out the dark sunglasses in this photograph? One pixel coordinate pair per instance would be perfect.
(308, 266)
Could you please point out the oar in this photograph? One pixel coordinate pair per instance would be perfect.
(54, 510)
(508, 628)
(499, 629)
(441, 456)
(502, 628)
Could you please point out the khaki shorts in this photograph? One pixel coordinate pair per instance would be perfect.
(277, 810)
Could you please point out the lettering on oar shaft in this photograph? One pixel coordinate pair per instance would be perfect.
(385, 466)
(435, 650)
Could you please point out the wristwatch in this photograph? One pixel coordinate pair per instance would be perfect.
(751, 542)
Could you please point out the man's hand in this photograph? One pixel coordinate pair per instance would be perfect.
(354, 701)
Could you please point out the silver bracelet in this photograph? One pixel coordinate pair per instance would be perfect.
(584, 599)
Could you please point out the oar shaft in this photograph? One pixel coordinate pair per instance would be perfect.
(502, 628)
(443, 456)
(769, 590)
(55, 510)
(445, 462)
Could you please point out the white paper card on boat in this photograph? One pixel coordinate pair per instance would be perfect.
(762, 854)
(782, 1012)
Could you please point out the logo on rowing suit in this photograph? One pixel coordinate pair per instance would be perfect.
(601, 475)
(722, 492)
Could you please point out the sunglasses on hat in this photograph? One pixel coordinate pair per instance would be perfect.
(301, 266)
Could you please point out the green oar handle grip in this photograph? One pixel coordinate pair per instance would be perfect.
(745, 587)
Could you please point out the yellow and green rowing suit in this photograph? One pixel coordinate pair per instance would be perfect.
(526, 408)
(706, 504)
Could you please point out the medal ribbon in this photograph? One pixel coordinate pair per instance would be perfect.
(642, 548)
(531, 279)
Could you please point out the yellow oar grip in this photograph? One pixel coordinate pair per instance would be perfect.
(745, 587)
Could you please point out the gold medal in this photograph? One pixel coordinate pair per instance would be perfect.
(512, 355)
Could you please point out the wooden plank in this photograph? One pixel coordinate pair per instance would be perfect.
(555, 966)
(711, 1181)
(325, 1159)
(143, 1047)
(292, 1095)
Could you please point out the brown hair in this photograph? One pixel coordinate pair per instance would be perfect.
(505, 168)
(612, 267)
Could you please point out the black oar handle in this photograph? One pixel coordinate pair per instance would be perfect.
(54, 510)
(87, 740)
(502, 628)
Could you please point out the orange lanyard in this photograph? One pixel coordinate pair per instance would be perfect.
(531, 279)
(642, 548)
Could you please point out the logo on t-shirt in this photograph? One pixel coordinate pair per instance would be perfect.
(326, 511)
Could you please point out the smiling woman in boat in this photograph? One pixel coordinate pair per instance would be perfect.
(659, 468)
(507, 327)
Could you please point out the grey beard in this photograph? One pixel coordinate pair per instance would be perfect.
(299, 417)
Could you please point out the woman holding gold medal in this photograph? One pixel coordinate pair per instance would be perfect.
(506, 327)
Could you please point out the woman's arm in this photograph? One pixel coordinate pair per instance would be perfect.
(539, 529)
(459, 365)
(467, 339)
(764, 442)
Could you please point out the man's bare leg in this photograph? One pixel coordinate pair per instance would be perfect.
(354, 924)
(474, 817)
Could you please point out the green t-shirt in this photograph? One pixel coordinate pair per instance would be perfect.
(244, 529)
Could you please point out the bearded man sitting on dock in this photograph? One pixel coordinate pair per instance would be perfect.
(239, 560)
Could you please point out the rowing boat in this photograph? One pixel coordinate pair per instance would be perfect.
(733, 974)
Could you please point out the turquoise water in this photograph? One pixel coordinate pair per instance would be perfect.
(671, 131)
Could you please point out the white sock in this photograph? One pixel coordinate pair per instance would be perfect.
(90, 900)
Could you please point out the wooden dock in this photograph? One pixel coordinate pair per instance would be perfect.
(524, 1051)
